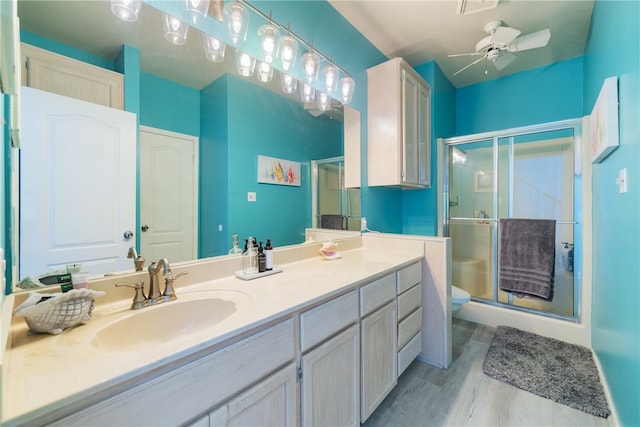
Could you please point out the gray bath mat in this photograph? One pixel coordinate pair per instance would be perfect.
(554, 369)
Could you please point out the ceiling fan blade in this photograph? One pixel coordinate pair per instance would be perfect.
(473, 63)
(465, 54)
(504, 35)
(503, 60)
(530, 41)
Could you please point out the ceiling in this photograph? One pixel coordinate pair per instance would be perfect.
(426, 30)
(419, 31)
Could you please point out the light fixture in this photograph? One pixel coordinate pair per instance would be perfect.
(245, 64)
(237, 17)
(196, 10)
(269, 37)
(213, 48)
(330, 76)
(288, 83)
(324, 101)
(174, 29)
(127, 10)
(310, 64)
(307, 92)
(347, 85)
(288, 52)
(265, 72)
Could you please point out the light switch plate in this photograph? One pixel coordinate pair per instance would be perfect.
(251, 196)
(621, 181)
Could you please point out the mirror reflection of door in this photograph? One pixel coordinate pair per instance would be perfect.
(337, 207)
(78, 200)
(168, 195)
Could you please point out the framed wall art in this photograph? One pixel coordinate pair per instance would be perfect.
(604, 121)
(278, 171)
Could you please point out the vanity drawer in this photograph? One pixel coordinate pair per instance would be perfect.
(409, 352)
(409, 276)
(409, 301)
(409, 327)
(377, 293)
(207, 382)
(320, 323)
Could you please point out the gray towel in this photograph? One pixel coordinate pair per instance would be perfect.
(527, 256)
(335, 222)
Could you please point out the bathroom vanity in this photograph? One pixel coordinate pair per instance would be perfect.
(323, 342)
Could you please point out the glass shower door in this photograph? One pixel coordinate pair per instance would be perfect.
(336, 207)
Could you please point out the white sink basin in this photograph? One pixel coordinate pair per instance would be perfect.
(167, 321)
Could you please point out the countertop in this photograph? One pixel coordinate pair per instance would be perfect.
(43, 373)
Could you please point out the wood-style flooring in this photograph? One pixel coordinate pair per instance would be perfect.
(463, 395)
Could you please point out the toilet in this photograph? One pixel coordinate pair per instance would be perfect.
(469, 274)
(458, 297)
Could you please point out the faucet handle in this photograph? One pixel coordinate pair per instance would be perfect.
(169, 293)
(139, 299)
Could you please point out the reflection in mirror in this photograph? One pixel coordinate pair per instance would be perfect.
(176, 92)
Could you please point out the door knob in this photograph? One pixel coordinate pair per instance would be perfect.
(128, 235)
(145, 228)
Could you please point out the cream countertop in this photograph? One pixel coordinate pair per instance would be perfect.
(42, 373)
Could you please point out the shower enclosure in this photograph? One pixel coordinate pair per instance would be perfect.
(334, 206)
(529, 172)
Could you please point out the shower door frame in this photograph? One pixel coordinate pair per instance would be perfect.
(344, 191)
(495, 136)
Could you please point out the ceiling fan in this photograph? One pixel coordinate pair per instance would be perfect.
(501, 43)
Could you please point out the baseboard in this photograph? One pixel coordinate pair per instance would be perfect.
(607, 393)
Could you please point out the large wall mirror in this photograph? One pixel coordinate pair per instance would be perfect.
(181, 93)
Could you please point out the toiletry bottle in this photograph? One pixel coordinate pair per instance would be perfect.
(250, 258)
(268, 255)
(235, 250)
(262, 261)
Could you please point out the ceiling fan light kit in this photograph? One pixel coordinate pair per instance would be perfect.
(501, 43)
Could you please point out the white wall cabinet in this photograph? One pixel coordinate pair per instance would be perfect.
(399, 123)
(352, 152)
(59, 74)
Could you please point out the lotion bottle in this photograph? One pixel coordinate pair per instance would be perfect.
(261, 259)
(250, 258)
(268, 255)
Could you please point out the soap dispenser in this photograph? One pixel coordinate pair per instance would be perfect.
(268, 255)
(235, 250)
(262, 261)
(250, 258)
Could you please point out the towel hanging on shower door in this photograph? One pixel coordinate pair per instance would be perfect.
(527, 256)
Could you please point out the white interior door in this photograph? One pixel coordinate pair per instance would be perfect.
(168, 195)
(77, 184)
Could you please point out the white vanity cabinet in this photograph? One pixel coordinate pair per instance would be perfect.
(399, 123)
(377, 343)
(176, 397)
(409, 289)
(59, 74)
(330, 363)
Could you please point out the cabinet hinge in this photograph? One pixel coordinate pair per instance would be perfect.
(299, 374)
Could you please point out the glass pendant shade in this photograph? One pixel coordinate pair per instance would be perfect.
(127, 10)
(245, 64)
(265, 72)
(310, 64)
(288, 52)
(347, 85)
(213, 48)
(196, 11)
(174, 29)
(330, 76)
(237, 17)
(288, 83)
(307, 93)
(269, 37)
(324, 101)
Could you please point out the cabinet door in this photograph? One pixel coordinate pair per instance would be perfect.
(270, 403)
(410, 90)
(424, 136)
(331, 382)
(379, 357)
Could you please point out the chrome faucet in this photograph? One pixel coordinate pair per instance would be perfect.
(155, 297)
(138, 260)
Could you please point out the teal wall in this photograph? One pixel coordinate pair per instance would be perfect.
(241, 120)
(541, 95)
(613, 50)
